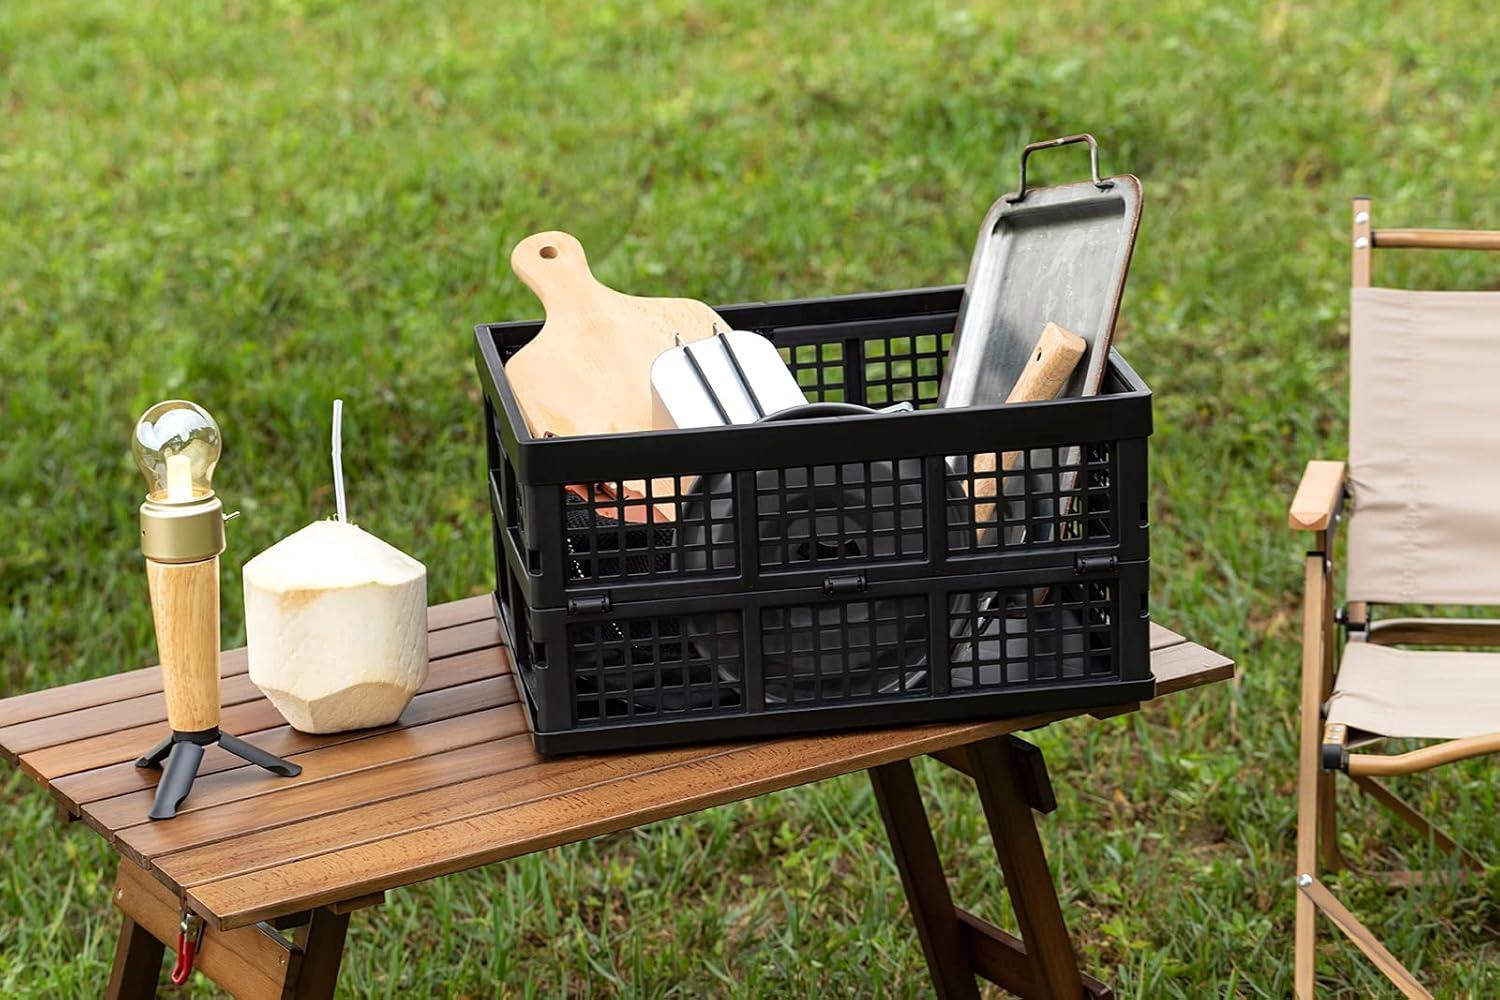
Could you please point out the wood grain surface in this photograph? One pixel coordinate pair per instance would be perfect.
(454, 784)
(147, 680)
(256, 960)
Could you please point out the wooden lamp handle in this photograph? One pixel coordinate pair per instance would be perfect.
(185, 608)
(1047, 371)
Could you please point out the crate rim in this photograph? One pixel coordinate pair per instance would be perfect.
(556, 461)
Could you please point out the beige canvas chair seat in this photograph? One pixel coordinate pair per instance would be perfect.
(1416, 693)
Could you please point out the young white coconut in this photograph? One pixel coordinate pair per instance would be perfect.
(336, 622)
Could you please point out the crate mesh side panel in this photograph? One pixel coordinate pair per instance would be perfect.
(1034, 635)
(526, 652)
(857, 512)
(629, 668)
(514, 500)
(843, 651)
(905, 369)
(819, 370)
(669, 527)
(1042, 497)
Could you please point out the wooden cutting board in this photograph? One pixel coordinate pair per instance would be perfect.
(589, 369)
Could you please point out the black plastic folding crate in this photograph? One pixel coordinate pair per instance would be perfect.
(731, 582)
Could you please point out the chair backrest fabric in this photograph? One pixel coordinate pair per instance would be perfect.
(1424, 447)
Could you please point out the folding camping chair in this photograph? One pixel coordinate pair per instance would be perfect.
(1423, 481)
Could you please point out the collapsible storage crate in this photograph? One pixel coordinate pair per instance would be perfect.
(821, 574)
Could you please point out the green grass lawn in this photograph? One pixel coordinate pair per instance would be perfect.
(262, 206)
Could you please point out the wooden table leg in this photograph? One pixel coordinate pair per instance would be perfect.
(252, 961)
(998, 774)
(322, 945)
(1012, 780)
(137, 963)
(922, 876)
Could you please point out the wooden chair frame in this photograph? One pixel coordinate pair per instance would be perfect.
(1324, 750)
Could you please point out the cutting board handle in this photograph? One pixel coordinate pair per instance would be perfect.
(554, 266)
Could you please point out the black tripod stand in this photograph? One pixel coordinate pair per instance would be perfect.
(183, 752)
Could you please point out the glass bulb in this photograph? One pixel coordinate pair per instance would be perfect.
(177, 445)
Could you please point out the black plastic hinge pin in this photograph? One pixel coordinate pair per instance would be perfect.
(597, 604)
(844, 583)
(1095, 564)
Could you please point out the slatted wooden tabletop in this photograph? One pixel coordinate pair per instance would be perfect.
(455, 784)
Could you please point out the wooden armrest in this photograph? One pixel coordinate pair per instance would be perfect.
(1319, 496)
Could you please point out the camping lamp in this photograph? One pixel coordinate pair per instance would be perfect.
(177, 445)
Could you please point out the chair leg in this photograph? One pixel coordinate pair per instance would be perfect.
(1309, 800)
(1328, 828)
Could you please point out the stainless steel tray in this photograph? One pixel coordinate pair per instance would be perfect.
(1052, 254)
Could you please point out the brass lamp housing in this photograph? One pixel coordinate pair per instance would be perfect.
(184, 532)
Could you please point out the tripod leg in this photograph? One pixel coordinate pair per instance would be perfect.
(157, 755)
(259, 757)
(176, 779)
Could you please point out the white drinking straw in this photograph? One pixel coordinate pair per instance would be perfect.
(338, 459)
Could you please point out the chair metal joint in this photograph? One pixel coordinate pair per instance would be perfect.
(1333, 754)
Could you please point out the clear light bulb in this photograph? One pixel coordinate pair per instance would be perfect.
(177, 445)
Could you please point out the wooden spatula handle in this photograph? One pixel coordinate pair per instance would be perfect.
(1047, 371)
(1050, 366)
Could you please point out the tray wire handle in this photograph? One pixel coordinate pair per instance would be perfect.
(1067, 140)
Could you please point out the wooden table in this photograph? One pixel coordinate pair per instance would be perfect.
(456, 784)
